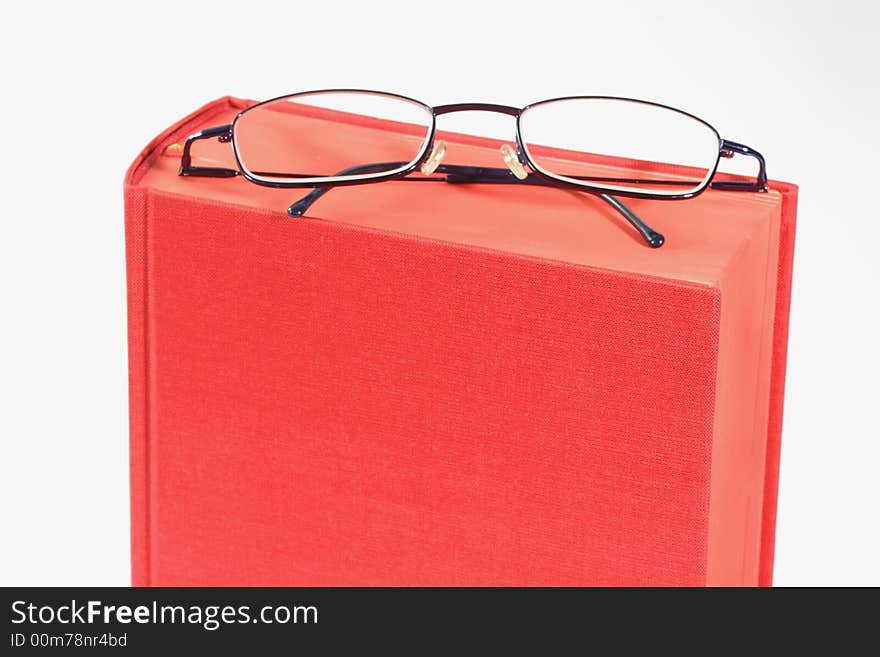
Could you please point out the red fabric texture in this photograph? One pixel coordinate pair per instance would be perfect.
(448, 387)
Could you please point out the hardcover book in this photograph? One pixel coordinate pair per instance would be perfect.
(437, 384)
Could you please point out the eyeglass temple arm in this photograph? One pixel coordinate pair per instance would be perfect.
(223, 134)
(730, 149)
(462, 174)
(653, 238)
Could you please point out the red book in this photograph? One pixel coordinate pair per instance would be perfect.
(449, 385)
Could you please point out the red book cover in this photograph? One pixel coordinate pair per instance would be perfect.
(449, 385)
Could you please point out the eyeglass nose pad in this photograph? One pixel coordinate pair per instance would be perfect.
(511, 159)
(430, 165)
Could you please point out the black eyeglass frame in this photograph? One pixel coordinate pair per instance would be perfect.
(472, 174)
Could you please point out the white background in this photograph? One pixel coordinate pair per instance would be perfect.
(86, 85)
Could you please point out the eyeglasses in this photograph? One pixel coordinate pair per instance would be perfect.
(606, 146)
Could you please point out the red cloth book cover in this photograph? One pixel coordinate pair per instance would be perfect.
(449, 385)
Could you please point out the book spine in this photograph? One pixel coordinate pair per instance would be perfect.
(136, 226)
(137, 272)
